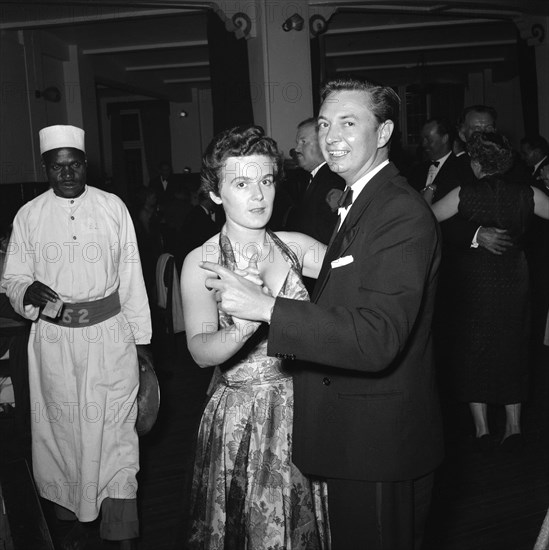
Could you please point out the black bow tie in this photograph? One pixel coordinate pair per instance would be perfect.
(346, 199)
(435, 163)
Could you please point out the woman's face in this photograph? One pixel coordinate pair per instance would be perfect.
(247, 190)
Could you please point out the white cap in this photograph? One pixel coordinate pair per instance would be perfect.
(60, 136)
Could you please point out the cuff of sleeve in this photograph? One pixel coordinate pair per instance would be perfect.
(31, 312)
(271, 312)
(474, 244)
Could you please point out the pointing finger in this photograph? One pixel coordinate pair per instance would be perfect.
(212, 283)
(216, 268)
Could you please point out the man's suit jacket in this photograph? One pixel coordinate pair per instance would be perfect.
(452, 174)
(368, 409)
(537, 175)
(164, 195)
(314, 217)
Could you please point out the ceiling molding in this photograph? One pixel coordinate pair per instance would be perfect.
(539, 7)
(406, 26)
(145, 47)
(415, 65)
(45, 19)
(186, 80)
(160, 67)
(422, 47)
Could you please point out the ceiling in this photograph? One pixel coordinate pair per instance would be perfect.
(400, 48)
(162, 51)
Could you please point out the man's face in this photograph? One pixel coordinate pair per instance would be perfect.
(434, 144)
(165, 171)
(351, 139)
(530, 156)
(476, 122)
(66, 172)
(307, 150)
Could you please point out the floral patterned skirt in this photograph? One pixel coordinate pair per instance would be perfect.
(246, 492)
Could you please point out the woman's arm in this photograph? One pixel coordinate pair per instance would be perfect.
(208, 344)
(447, 206)
(428, 192)
(541, 204)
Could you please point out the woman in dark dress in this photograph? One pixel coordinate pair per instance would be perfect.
(492, 306)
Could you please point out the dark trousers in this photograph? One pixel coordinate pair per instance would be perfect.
(378, 516)
(119, 520)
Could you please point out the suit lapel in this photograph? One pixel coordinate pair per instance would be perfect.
(350, 227)
(310, 188)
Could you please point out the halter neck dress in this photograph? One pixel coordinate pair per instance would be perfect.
(246, 493)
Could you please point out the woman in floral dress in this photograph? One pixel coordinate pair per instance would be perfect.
(246, 492)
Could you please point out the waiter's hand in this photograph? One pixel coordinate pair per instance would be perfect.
(495, 240)
(237, 296)
(144, 357)
(38, 294)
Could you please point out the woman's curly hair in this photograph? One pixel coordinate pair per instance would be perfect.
(492, 151)
(240, 141)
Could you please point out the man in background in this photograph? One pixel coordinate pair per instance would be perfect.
(164, 183)
(316, 214)
(442, 168)
(534, 151)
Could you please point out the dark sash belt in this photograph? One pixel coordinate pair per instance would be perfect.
(85, 314)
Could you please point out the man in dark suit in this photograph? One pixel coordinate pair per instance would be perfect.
(165, 182)
(202, 222)
(366, 409)
(314, 216)
(443, 169)
(534, 151)
(458, 232)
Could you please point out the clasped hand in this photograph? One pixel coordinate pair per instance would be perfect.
(241, 293)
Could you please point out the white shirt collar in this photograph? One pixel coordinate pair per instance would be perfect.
(71, 201)
(315, 171)
(537, 165)
(442, 160)
(360, 183)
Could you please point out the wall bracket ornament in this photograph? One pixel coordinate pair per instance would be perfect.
(531, 29)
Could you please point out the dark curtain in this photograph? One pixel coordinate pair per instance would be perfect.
(447, 101)
(155, 122)
(156, 138)
(528, 86)
(231, 96)
(119, 180)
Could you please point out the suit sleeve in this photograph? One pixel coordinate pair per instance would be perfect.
(378, 312)
(458, 232)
